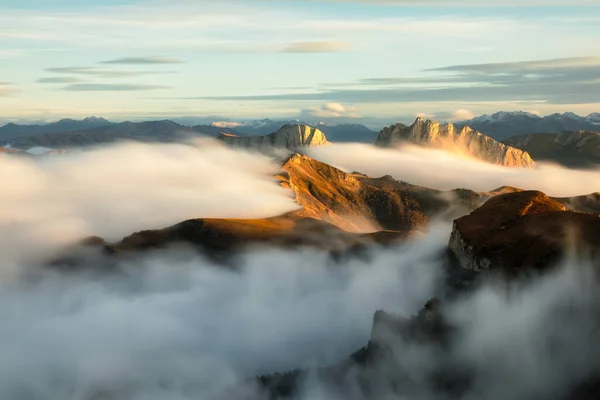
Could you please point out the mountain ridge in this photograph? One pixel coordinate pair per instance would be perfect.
(429, 133)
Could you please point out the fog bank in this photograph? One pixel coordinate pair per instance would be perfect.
(443, 170)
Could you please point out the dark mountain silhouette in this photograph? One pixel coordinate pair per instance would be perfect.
(580, 149)
(503, 125)
(152, 131)
(12, 131)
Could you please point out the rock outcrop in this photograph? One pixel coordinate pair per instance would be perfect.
(519, 231)
(465, 140)
(289, 137)
(580, 149)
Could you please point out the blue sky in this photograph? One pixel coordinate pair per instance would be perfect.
(331, 60)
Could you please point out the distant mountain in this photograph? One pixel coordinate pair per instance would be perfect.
(288, 137)
(579, 149)
(348, 133)
(433, 134)
(265, 126)
(503, 125)
(335, 133)
(151, 131)
(595, 118)
(11, 131)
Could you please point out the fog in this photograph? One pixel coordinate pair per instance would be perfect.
(116, 190)
(443, 170)
(173, 326)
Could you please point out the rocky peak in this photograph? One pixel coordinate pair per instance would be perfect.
(290, 137)
(514, 232)
(463, 139)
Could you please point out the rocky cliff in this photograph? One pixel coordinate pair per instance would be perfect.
(515, 232)
(290, 137)
(465, 140)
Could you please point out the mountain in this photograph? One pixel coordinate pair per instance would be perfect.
(516, 231)
(265, 126)
(503, 125)
(578, 149)
(215, 131)
(338, 211)
(433, 134)
(289, 137)
(11, 131)
(595, 118)
(344, 133)
(151, 131)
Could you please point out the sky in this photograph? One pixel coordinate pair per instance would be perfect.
(336, 60)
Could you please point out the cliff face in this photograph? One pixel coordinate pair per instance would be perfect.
(429, 133)
(516, 231)
(290, 137)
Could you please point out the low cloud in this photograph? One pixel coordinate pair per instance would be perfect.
(173, 326)
(446, 171)
(315, 47)
(143, 60)
(114, 87)
(117, 190)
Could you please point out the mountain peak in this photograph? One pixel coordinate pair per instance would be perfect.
(95, 121)
(428, 133)
(291, 137)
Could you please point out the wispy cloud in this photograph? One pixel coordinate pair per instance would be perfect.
(101, 72)
(315, 47)
(59, 79)
(143, 60)
(115, 87)
(5, 90)
(557, 81)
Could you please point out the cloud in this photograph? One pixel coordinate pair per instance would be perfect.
(114, 87)
(557, 81)
(210, 327)
(120, 189)
(5, 90)
(315, 47)
(143, 60)
(101, 72)
(457, 115)
(446, 171)
(59, 79)
(329, 110)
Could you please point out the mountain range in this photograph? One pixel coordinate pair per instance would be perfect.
(492, 138)
(502, 125)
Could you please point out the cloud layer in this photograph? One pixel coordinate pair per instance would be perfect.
(443, 170)
(114, 191)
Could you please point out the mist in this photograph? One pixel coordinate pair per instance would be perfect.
(443, 170)
(173, 326)
(113, 191)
